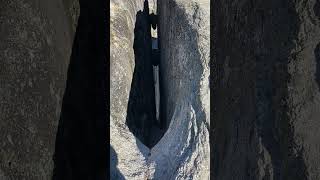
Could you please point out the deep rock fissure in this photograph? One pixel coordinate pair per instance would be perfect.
(143, 112)
(183, 150)
(81, 147)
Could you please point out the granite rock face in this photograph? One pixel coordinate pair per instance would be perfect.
(72, 8)
(266, 90)
(184, 80)
(127, 158)
(183, 152)
(35, 45)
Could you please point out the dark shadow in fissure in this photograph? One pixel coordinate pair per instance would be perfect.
(81, 149)
(141, 111)
(114, 171)
(316, 8)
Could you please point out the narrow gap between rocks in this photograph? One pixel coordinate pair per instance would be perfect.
(143, 112)
(80, 147)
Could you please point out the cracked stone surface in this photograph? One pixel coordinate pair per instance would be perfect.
(183, 152)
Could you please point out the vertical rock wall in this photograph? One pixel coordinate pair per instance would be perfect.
(35, 45)
(127, 152)
(183, 152)
(72, 8)
(265, 90)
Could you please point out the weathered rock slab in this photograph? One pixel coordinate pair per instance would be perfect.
(35, 45)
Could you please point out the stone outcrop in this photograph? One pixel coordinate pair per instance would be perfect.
(266, 98)
(183, 151)
(35, 46)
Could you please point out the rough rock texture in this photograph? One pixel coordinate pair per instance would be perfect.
(183, 152)
(184, 66)
(266, 95)
(35, 45)
(127, 158)
(72, 8)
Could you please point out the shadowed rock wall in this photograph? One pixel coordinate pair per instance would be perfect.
(81, 144)
(35, 46)
(129, 152)
(141, 110)
(265, 96)
(183, 152)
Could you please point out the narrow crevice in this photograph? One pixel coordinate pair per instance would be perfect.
(80, 147)
(144, 102)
